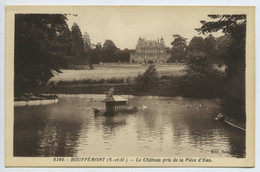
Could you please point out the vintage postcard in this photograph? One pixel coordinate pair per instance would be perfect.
(130, 86)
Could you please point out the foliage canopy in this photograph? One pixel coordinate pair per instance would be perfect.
(42, 44)
(234, 26)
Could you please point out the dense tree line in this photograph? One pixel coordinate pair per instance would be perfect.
(212, 47)
(45, 44)
(109, 52)
(42, 45)
(87, 53)
(234, 27)
(78, 53)
(201, 79)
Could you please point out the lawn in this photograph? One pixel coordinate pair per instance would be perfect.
(115, 71)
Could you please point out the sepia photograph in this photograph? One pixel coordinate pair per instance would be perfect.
(130, 86)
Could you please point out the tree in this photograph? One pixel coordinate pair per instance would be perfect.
(109, 45)
(196, 44)
(168, 50)
(196, 80)
(222, 46)
(201, 80)
(210, 46)
(234, 26)
(99, 46)
(87, 42)
(77, 45)
(42, 44)
(179, 46)
(123, 55)
(108, 53)
(197, 62)
(148, 81)
(109, 50)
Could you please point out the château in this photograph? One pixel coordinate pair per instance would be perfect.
(150, 51)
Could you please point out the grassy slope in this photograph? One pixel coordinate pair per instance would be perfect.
(114, 71)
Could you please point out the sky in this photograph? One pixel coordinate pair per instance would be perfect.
(124, 25)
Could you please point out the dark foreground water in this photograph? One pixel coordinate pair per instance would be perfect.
(168, 127)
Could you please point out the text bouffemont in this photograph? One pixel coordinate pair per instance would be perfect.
(87, 159)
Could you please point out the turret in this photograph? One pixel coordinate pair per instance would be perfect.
(140, 40)
(162, 41)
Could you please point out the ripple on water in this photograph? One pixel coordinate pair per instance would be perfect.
(168, 127)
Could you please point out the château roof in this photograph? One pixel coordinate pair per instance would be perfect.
(150, 43)
(115, 98)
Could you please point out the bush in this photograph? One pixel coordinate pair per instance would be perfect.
(148, 81)
(201, 80)
(166, 77)
(115, 80)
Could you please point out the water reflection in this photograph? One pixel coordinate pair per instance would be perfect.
(115, 121)
(57, 139)
(26, 126)
(168, 127)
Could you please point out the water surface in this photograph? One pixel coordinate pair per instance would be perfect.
(168, 127)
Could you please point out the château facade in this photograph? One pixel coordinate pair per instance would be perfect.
(150, 51)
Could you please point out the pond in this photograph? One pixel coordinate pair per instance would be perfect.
(170, 126)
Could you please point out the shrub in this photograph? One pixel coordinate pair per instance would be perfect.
(148, 81)
(200, 79)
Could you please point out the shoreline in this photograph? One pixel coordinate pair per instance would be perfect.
(166, 89)
(35, 99)
(35, 102)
